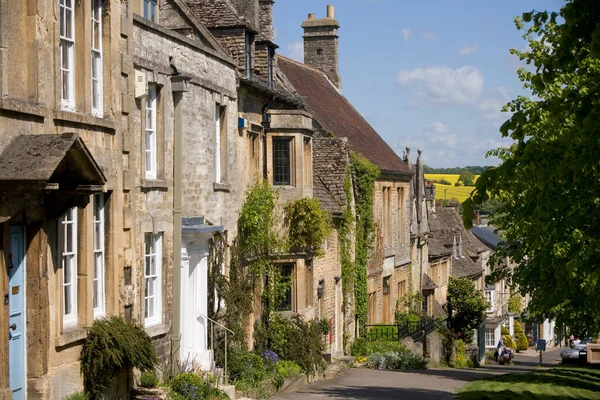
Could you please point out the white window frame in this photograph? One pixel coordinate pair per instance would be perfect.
(150, 134)
(99, 277)
(490, 340)
(96, 60)
(147, 6)
(153, 279)
(218, 114)
(68, 259)
(67, 50)
(489, 296)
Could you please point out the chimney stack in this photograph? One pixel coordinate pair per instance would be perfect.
(265, 17)
(321, 45)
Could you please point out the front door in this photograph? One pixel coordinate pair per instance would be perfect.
(194, 310)
(16, 307)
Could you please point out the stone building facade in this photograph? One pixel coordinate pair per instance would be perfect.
(61, 140)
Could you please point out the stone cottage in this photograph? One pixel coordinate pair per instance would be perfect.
(318, 83)
(61, 183)
(183, 164)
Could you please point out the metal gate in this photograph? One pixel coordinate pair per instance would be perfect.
(481, 342)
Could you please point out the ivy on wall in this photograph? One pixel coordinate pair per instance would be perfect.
(365, 175)
(346, 233)
(308, 225)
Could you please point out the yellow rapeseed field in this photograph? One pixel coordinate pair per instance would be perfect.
(459, 193)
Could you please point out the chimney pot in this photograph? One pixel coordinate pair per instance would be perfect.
(330, 12)
(311, 16)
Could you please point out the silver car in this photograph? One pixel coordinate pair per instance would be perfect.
(577, 352)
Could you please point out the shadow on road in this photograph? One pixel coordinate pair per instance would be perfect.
(382, 392)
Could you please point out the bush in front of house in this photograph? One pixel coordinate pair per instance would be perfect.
(255, 375)
(77, 396)
(395, 360)
(113, 345)
(363, 347)
(191, 386)
(148, 379)
(508, 342)
(520, 338)
(288, 369)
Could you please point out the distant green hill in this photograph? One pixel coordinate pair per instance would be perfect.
(476, 169)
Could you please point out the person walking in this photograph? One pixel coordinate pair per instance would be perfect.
(500, 347)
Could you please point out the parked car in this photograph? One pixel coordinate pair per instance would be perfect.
(577, 352)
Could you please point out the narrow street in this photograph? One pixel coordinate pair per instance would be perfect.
(437, 383)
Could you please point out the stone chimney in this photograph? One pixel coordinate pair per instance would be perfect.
(430, 196)
(321, 45)
(266, 19)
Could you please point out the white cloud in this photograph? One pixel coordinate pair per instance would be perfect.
(439, 132)
(442, 84)
(295, 51)
(427, 35)
(466, 49)
(407, 33)
(491, 107)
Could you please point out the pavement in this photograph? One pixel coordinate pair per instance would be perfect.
(435, 383)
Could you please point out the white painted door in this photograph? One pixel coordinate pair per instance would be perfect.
(194, 310)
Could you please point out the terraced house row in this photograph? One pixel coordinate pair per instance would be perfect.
(129, 133)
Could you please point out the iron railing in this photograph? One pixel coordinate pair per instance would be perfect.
(416, 329)
(214, 324)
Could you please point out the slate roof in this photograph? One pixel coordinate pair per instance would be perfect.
(39, 158)
(330, 161)
(447, 229)
(336, 114)
(428, 283)
(436, 248)
(216, 13)
(487, 235)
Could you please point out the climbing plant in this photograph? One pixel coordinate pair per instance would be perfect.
(308, 224)
(365, 175)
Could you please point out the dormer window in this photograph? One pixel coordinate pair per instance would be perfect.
(149, 9)
(249, 43)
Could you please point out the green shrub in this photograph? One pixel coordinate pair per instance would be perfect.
(520, 338)
(77, 396)
(148, 379)
(113, 345)
(364, 347)
(293, 340)
(324, 326)
(190, 386)
(396, 360)
(507, 338)
(288, 369)
(253, 369)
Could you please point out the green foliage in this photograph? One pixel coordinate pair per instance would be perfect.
(113, 345)
(466, 307)
(467, 178)
(77, 396)
(461, 360)
(191, 386)
(365, 175)
(346, 234)
(308, 224)
(515, 303)
(288, 369)
(549, 179)
(395, 360)
(293, 340)
(521, 341)
(507, 338)
(324, 326)
(148, 379)
(364, 347)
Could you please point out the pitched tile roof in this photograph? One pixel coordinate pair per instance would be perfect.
(436, 249)
(428, 283)
(330, 161)
(336, 114)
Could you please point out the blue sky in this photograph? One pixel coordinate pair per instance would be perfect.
(430, 74)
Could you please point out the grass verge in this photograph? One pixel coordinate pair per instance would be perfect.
(561, 382)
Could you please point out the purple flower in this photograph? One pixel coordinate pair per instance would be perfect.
(270, 357)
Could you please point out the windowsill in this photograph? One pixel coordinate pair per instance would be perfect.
(157, 330)
(159, 184)
(24, 107)
(69, 115)
(284, 186)
(71, 334)
(221, 187)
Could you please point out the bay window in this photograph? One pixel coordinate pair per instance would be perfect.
(68, 243)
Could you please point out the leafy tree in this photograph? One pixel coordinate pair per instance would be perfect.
(549, 179)
(520, 338)
(467, 178)
(515, 303)
(466, 307)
